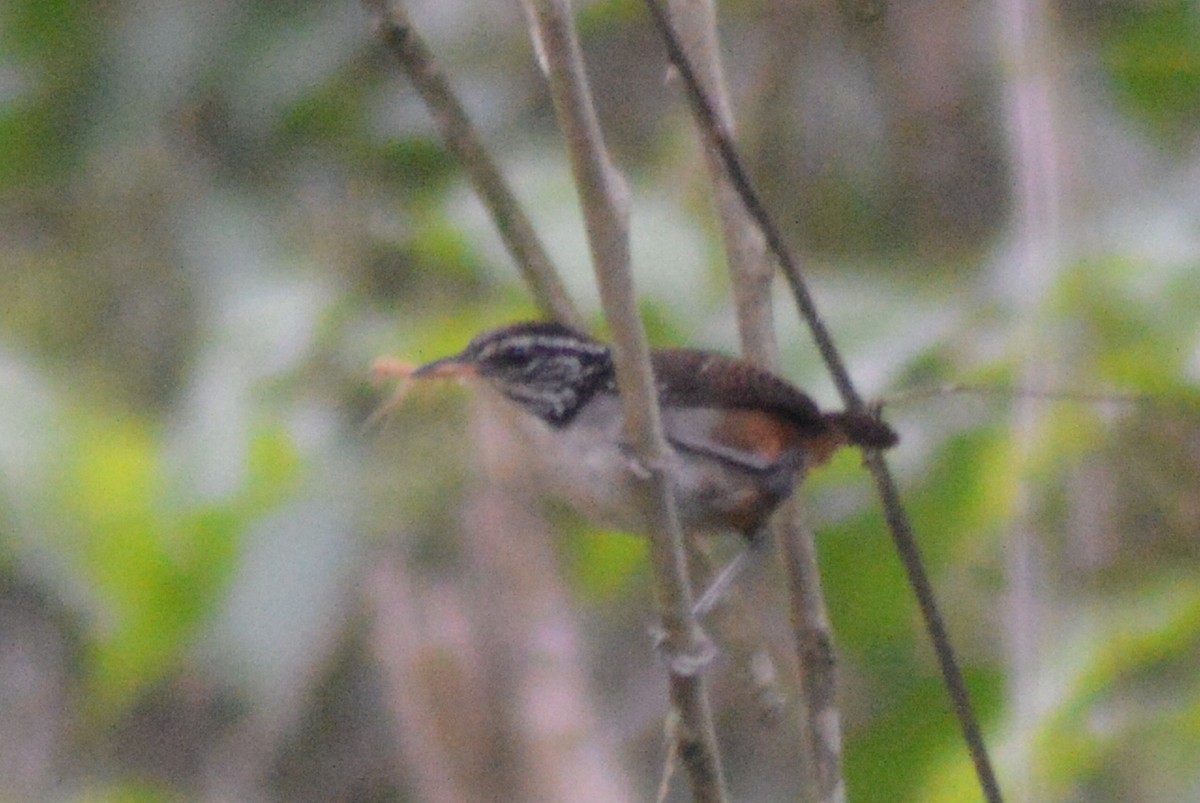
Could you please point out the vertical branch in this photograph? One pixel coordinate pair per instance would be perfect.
(814, 650)
(1034, 163)
(461, 138)
(745, 250)
(605, 200)
(752, 272)
(722, 139)
(897, 518)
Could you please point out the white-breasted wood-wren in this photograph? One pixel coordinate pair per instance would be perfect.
(742, 437)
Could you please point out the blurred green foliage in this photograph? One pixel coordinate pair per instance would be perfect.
(1152, 51)
(213, 217)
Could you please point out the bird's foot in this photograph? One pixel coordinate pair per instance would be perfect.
(687, 660)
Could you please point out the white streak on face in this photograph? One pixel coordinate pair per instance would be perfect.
(558, 343)
(545, 373)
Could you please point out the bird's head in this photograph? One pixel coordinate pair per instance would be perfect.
(549, 369)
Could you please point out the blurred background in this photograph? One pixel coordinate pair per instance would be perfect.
(219, 582)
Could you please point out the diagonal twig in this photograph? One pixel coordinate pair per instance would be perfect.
(723, 141)
(897, 519)
(462, 139)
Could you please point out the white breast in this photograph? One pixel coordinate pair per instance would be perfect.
(583, 465)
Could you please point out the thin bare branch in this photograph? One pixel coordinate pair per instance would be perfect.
(752, 272)
(460, 136)
(745, 250)
(914, 566)
(604, 199)
(899, 526)
(814, 647)
(1182, 402)
(722, 138)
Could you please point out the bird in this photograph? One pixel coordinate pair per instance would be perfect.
(741, 437)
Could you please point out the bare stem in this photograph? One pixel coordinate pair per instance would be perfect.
(722, 139)
(918, 578)
(460, 136)
(745, 250)
(752, 271)
(815, 651)
(604, 198)
(897, 519)
(1044, 393)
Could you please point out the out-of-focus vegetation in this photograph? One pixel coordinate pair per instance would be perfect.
(214, 215)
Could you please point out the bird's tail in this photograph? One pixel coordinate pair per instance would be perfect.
(864, 429)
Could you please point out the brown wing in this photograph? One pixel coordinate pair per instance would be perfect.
(693, 378)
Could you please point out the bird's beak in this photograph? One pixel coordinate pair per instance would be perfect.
(447, 366)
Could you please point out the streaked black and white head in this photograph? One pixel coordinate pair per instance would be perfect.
(549, 369)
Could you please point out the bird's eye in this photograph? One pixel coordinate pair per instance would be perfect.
(513, 355)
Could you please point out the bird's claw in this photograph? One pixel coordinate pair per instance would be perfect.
(688, 661)
(633, 463)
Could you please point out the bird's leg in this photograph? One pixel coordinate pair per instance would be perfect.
(719, 587)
